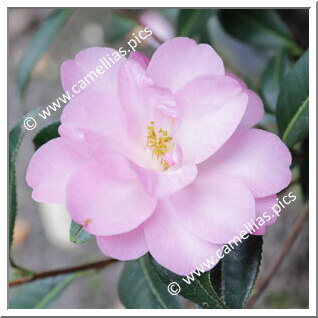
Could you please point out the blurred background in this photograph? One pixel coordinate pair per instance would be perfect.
(41, 239)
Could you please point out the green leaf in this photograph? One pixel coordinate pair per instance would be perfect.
(199, 289)
(192, 23)
(216, 278)
(15, 138)
(260, 27)
(40, 44)
(46, 134)
(140, 287)
(272, 79)
(118, 27)
(40, 293)
(240, 268)
(293, 103)
(78, 234)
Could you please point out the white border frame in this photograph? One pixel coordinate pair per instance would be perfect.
(312, 178)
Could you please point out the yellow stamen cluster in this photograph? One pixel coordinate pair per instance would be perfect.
(158, 143)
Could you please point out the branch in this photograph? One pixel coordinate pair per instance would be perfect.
(95, 265)
(300, 157)
(283, 252)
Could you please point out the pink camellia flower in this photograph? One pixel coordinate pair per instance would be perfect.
(160, 156)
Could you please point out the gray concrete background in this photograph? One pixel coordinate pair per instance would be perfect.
(86, 27)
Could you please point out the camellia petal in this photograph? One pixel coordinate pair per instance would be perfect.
(172, 245)
(215, 199)
(255, 110)
(204, 108)
(237, 79)
(265, 216)
(125, 246)
(95, 69)
(180, 60)
(257, 157)
(143, 102)
(140, 58)
(50, 169)
(105, 204)
(161, 184)
(99, 112)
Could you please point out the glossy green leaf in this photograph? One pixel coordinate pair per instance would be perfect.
(192, 23)
(272, 79)
(260, 27)
(197, 289)
(15, 138)
(78, 235)
(140, 287)
(240, 268)
(293, 103)
(46, 134)
(40, 44)
(40, 293)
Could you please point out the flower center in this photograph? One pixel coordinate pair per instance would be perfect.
(158, 144)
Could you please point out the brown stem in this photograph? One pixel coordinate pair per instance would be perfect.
(128, 14)
(283, 252)
(300, 157)
(95, 265)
